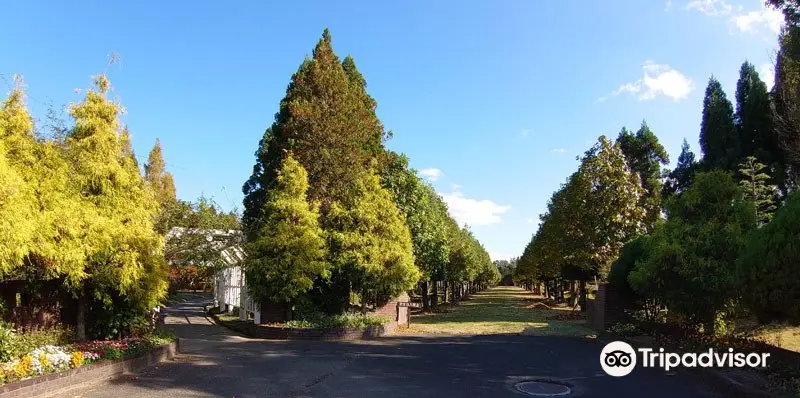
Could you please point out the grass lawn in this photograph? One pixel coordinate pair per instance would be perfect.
(500, 310)
(786, 337)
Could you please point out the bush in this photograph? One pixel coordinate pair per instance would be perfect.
(691, 260)
(768, 270)
(32, 340)
(625, 329)
(349, 320)
(9, 342)
(120, 321)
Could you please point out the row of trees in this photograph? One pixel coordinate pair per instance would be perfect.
(328, 211)
(711, 240)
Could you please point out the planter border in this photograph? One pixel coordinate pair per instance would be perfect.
(53, 383)
(266, 332)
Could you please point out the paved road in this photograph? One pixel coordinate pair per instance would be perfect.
(215, 362)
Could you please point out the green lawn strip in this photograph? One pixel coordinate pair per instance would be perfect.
(500, 310)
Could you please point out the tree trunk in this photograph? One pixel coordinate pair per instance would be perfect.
(80, 317)
(444, 291)
(363, 303)
(582, 301)
(425, 299)
(435, 294)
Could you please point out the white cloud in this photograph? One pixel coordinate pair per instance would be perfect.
(559, 151)
(455, 187)
(658, 80)
(432, 174)
(473, 212)
(525, 133)
(710, 7)
(668, 6)
(754, 21)
(531, 221)
(767, 74)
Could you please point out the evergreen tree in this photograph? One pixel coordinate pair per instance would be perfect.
(288, 253)
(689, 264)
(127, 147)
(754, 124)
(768, 270)
(17, 222)
(159, 178)
(163, 186)
(754, 182)
(786, 103)
(645, 155)
(43, 223)
(370, 242)
(681, 178)
(330, 126)
(718, 138)
(125, 254)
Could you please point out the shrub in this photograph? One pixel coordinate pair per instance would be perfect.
(349, 320)
(625, 329)
(768, 272)
(31, 340)
(9, 342)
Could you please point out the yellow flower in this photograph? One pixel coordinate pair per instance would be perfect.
(44, 362)
(24, 367)
(77, 359)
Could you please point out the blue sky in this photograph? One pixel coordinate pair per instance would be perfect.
(492, 100)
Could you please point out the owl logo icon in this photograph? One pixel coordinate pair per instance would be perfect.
(618, 359)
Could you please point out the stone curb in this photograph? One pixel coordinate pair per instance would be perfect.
(710, 377)
(53, 383)
(323, 334)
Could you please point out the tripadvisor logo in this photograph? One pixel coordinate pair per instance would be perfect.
(619, 358)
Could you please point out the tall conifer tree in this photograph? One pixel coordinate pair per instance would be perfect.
(125, 254)
(330, 126)
(718, 138)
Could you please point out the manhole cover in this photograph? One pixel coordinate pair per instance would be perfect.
(543, 388)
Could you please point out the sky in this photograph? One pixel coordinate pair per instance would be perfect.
(491, 101)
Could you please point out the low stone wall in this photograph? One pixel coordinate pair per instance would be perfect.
(250, 329)
(53, 383)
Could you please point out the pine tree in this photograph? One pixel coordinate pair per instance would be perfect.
(718, 138)
(370, 242)
(287, 255)
(125, 253)
(645, 155)
(681, 178)
(330, 126)
(754, 181)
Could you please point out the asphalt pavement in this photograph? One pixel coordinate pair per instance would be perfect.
(216, 362)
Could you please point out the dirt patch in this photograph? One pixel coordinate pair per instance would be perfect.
(539, 306)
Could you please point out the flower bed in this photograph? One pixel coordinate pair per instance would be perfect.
(50, 358)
